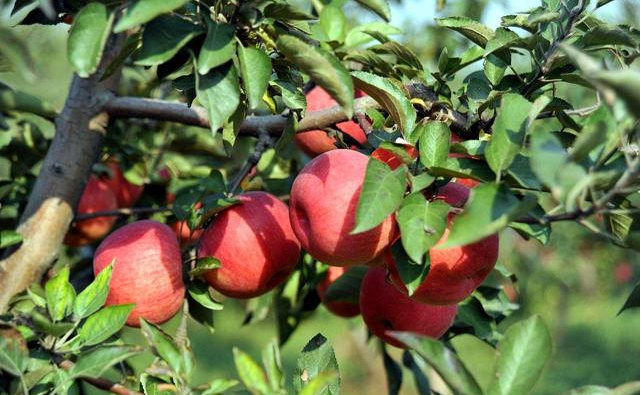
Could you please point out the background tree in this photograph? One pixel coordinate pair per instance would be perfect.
(542, 112)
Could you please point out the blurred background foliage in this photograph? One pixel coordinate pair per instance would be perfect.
(577, 283)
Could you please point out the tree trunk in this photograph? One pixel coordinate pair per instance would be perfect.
(80, 129)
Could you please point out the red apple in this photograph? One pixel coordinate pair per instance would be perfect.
(467, 182)
(147, 270)
(255, 244)
(384, 308)
(323, 204)
(454, 272)
(340, 308)
(126, 192)
(315, 142)
(96, 197)
(391, 159)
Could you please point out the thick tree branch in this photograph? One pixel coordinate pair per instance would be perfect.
(135, 107)
(101, 383)
(79, 134)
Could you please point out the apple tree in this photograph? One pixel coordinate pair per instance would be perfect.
(280, 153)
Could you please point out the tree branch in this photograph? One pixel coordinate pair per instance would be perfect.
(101, 383)
(122, 211)
(135, 107)
(77, 143)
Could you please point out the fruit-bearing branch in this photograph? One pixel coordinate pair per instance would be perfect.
(101, 383)
(136, 107)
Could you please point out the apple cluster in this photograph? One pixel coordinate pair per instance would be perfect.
(259, 242)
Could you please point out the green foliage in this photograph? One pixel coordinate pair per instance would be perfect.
(552, 133)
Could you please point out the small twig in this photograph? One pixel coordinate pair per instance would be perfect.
(580, 111)
(573, 14)
(262, 145)
(101, 383)
(122, 211)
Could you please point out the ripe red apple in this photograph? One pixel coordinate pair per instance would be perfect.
(323, 204)
(315, 142)
(340, 308)
(391, 159)
(97, 196)
(126, 192)
(467, 182)
(255, 244)
(454, 272)
(184, 234)
(147, 270)
(384, 308)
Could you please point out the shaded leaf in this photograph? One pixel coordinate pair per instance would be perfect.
(93, 297)
(323, 67)
(633, 300)
(390, 97)
(256, 68)
(379, 7)
(87, 38)
(381, 194)
(199, 291)
(523, 353)
(142, 11)
(491, 208)
(102, 324)
(219, 92)
(445, 362)
(421, 224)
(14, 357)
(317, 358)
(471, 29)
(96, 362)
(218, 48)
(9, 237)
(60, 295)
(163, 346)
(394, 375)
(346, 288)
(164, 37)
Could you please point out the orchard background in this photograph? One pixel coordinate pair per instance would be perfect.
(539, 102)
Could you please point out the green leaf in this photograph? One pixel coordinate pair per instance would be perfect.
(320, 384)
(464, 168)
(9, 238)
(96, 362)
(250, 373)
(87, 38)
(494, 69)
(256, 69)
(94, 296)
(289, 131)
(13, 356)
(633, 300)
(323, 67)
(334, 23)
(357, 36)
(623, 83)
(381, 195)
(403, 53)
(410, 273)
(218, 48)
(163, 346)
(14, 51)
(434, 143)
(515, 117)
(379, 7)
(594, 132)
(60, 295)
(219, 386)
(142, 11)
(204, 265)
(317, 358)
(285, 11)
(445, 362)
(346, 288)
(523, 353)
(150, 385)
(102, 324)
(606, 34)
(164, 37)
(547, 156)
(219, 92)
(199, 291)
(471, 29)
(272, 362)
(491, 208)
(390, 96)
(421, 224)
